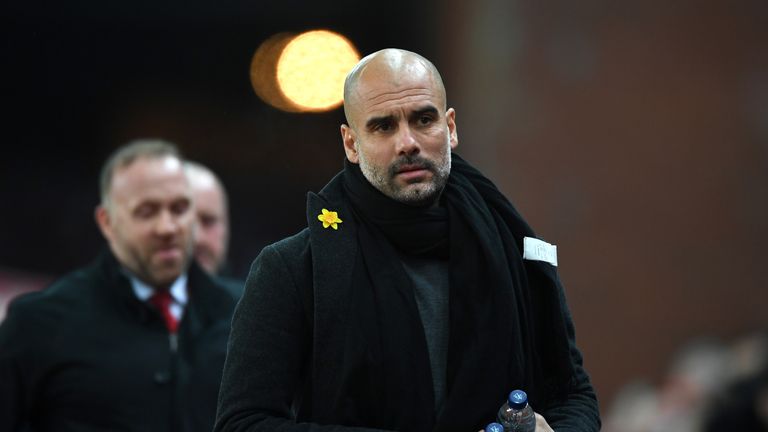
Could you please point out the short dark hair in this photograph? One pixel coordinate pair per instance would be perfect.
(127, 154)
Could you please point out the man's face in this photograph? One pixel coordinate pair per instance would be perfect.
(149, 219)
(212, 234)
(399, 133)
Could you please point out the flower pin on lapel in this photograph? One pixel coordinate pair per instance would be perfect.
(329, 219)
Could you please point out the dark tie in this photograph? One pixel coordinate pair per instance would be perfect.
(162, 301)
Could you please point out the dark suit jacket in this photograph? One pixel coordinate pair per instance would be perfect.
(85, 354)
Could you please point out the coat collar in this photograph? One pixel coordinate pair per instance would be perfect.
(209, 301)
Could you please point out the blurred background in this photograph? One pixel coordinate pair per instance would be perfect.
(634, 135)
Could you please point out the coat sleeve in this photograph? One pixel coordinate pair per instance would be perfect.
(579, 412)
(267, 353)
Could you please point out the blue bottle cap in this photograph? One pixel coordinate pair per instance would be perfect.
(494, 427)
(518, 399)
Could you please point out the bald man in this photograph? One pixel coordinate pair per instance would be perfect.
(415, 300)
(212, 212)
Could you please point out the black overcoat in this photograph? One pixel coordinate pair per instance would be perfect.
(285, 367)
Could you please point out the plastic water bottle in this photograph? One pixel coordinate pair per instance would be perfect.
(516, 415)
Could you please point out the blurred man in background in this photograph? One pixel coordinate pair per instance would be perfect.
(134, 342)
(212, 229)
(212, 210)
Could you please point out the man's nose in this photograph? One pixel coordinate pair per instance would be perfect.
(406, 141)
(166, 223)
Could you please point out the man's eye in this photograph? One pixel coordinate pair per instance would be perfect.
(208, 220)
(383, 127)
(425, 119)
(180, 207)
(145, 211)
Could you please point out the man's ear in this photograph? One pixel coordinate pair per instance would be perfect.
(453, 134)
(348, 138)
(103, 220)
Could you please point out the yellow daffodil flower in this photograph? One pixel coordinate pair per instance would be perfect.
(329, 219)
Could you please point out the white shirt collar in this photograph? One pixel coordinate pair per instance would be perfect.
(178, 289)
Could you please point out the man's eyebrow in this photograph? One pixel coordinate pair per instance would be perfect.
(374, 121)
(420, 112)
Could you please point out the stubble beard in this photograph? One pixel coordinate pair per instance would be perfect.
(417, 194)
(159, 274)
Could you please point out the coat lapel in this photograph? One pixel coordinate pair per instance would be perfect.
(333, 257)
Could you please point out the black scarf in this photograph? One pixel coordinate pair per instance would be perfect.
(507, 325)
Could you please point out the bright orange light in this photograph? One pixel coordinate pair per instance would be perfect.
(305, 72)
(312, 68)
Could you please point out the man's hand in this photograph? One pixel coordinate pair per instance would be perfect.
(541, 424)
